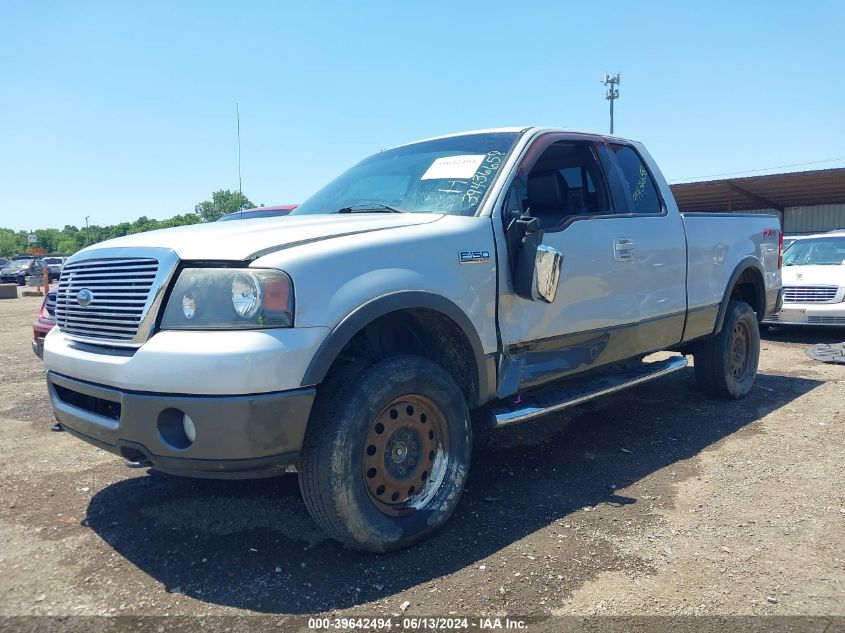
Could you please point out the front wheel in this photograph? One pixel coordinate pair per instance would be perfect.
(726, 364)
(386, 453)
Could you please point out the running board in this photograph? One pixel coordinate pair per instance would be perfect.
(555, 397)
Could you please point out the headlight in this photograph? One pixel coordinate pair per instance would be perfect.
(246, 295)
(226, 298)
(189, 305)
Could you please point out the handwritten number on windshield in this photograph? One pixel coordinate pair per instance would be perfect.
(483, 177)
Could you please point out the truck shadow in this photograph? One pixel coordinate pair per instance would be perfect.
(251, 544)
(807, 334)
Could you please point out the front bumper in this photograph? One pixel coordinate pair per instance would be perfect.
(809, 314)
(201, 363)
(240, 436)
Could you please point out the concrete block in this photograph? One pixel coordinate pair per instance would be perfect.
(8, 291)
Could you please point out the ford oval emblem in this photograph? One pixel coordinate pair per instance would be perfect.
(84, 297)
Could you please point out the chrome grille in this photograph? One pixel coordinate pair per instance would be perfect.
(809, 294)
(120, 289)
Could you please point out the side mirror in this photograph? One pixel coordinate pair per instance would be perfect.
(547, 265)
(537, 270)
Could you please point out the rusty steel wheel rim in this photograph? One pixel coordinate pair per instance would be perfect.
(740, 345)
(405, 454)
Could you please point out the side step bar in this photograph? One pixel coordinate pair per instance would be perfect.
(555, 397)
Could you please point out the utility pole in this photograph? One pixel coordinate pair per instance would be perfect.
(87, 232)
(240, 189)
(612, 93)
(238, 114)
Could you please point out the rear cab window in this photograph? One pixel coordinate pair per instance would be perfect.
(634, 189)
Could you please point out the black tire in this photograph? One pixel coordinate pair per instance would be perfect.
(345, 457)
(726, 364)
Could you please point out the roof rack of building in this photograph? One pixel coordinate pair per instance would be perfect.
(806, 201)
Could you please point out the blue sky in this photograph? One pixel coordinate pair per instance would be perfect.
(116, 110)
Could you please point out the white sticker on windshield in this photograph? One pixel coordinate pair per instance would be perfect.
(453, 167)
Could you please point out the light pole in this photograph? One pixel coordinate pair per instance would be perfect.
(87, 232)
(612, 93)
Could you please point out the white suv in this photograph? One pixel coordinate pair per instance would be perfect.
(813, 281)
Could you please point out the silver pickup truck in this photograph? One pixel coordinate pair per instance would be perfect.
(514, 271)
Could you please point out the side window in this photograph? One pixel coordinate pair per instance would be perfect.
(638, 188)
(579, 178)
(565, 183)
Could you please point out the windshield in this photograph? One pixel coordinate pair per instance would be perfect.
(448, 175)
(824, 251)
(251, 215)
(20, 264)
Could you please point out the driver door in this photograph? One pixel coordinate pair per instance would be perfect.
(596, 313)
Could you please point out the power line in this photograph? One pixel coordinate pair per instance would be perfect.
(750, 171)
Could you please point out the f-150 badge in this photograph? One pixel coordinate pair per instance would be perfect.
(474, 257)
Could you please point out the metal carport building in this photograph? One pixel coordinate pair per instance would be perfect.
(806, 201)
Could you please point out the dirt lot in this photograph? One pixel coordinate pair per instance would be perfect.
(655, 501)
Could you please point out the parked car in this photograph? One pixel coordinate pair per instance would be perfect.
(55, 264)
(516, 272)
(45, 322)
(813, 281)
(17, 270)
(259, 212)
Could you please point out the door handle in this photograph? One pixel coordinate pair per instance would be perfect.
(624, 249)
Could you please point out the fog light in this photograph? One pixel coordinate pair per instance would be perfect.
(176, 429)
(189, 428)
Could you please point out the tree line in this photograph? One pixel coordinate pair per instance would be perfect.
(72, 238)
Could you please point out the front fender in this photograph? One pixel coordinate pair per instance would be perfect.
(392, 302)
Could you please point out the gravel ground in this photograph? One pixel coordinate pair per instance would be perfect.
(655, 501)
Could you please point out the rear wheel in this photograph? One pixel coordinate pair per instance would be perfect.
(386, 453)
(726, 364)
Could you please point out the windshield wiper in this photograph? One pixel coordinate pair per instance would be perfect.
(369, 207)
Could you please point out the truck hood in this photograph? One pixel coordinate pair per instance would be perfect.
(813, 275)
(250, 239)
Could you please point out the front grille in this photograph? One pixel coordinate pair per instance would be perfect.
(826, 320)
(120, 289)
(809, 294)
(814, 320)
(50, 304)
